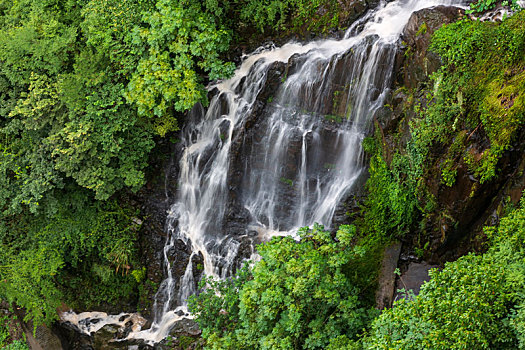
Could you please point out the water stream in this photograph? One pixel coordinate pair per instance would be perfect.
(278, 159)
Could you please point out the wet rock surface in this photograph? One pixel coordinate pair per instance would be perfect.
(154, 201)
(454, 227)
(72, 339)
(387, 277)
(413, 278)
(420, 63)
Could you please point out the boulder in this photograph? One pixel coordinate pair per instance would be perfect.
(413, 278)
(387, 276)
(419, 62)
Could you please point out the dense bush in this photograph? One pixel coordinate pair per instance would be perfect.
(484, 5)
(307, 294)
(81, 254)
(391, 204)
(476, 302)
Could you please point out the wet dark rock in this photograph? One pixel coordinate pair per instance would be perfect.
(384, 116)
(273, 81)
(123, 332)
(454, 227)
(413, 278)
(352, 10)
(197, 262)
(469, 205)
(185, 326)
(154, 201)
(246, 249)
(105, 338)
(420, 62)
(387, 276)
(185, 334)
(350, 208)
(71, 338)
(294, 64)
(236, 218)
(179, 256)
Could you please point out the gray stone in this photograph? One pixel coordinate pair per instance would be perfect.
(387, 277)
(46, 339)
(413, 278)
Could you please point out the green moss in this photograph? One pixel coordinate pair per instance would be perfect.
(481, 87)
(333, 118)
(502, 113)
(450, 164)
(422, 29)
(471, 115)
(185, 342)
(286, 181)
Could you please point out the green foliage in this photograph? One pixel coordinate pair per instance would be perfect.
(391, 204)
(277, 13)
(63, 115)
(9, 328)
(78, 254)
(85, 87)
(478, 90)
(476, 302)
(16, 345)
(286, 181)
(482, 71)
(301, 295)
(333, 118)
(4, 331)
(450, 164)
(179, 39)
(485, 5)
(217, 307)
(139, 274)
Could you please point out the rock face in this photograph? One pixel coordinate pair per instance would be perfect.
(454, 226)
(387, 276)
(39, 338)
(413, 278)
(420, 63)
(154, 201)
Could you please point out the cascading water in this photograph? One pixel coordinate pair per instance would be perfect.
(294, 164)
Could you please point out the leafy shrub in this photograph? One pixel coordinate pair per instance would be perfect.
(301, 295)
(79, 255)
(7, 339)
(484, 5)
(476, 302)
(180, 38)
(16, 345)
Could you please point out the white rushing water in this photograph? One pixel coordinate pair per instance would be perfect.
(296, 166)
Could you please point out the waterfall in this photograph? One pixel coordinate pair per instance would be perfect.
(295, 169)
(277, 156)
